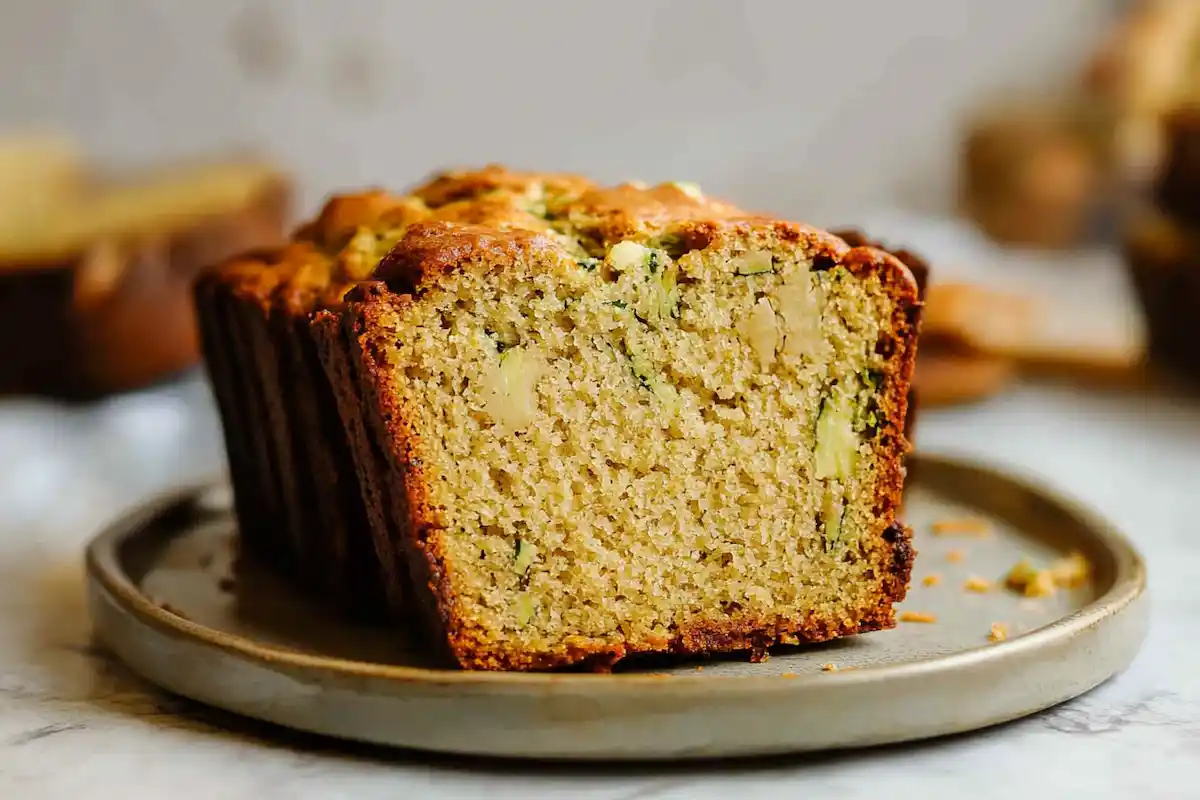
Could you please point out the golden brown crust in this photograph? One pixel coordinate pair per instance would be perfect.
(323, 262)
(433, 248)
(344, 214)
(454, 185)
(629, 211)
(916, 263)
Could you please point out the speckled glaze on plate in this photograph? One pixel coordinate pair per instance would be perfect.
(161, 598)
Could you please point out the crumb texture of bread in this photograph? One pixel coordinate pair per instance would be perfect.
(579, 422)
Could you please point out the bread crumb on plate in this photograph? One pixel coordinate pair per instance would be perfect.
(966, 526)
(1072, 571)
(1028, 580)
(1069, 572)
(918, 616)
(977, 584)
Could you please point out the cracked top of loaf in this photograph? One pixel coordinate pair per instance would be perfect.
(380, 235)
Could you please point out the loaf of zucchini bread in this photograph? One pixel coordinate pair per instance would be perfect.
(593, 422)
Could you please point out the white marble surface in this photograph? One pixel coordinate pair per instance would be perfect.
(73, 724)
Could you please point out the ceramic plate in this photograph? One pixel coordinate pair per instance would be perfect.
(163, 599)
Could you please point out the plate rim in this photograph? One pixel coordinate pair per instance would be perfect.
(1129, 583)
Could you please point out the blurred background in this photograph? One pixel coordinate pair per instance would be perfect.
(1041, 156)
(800, 106)
(1018, 147)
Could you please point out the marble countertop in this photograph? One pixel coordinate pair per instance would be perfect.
(75, 724)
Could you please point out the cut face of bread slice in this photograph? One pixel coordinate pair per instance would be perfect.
(685, 441)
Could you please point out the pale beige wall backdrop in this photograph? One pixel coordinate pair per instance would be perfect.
(814, 108)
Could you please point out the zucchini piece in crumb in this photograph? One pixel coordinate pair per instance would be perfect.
(837, 443)
(666, 287)
(800, 305)
(869, 417)
(872, 379)
(833, 508)
(524, 557)
(509, 388)
(628, 256)
(667, 395)
(523, 609)
(759, 330)
(588, 263)
(497, 342)
(659, 300)
(652, 379)
(756, 262)
(641, 369)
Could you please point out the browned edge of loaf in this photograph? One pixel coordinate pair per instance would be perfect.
(244, 419)
(377, 493)
(327, 464)
(432, 250)
(919, 268)
(228, 386)
(296, 495)
(266, 364)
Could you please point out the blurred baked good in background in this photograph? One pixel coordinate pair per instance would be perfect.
(1164, 263)
(1031, 334)
(37, 170)
(1030, 175)
(1050, 171)
(1141, 72)
(977, 340)
(96, 269)
(1162, 249)
(1176, 185)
